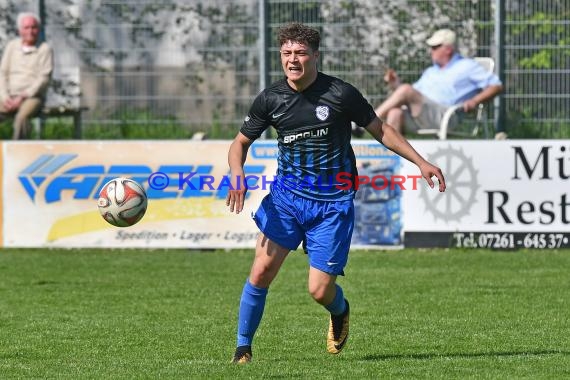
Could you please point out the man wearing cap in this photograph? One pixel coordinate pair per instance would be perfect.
(453, 79)
(25, 72)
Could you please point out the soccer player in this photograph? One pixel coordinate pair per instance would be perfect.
(312, 114)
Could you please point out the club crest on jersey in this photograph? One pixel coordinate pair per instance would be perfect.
(322, 112)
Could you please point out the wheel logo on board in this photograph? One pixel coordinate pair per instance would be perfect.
(461, 179)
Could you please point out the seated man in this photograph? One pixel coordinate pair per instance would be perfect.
(451, 80)
(25, 72)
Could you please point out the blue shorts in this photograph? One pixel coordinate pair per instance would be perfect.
(325, 226)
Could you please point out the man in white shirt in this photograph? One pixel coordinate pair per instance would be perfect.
(453, 79)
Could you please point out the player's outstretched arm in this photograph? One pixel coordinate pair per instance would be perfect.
(394, 141)
(236, 159)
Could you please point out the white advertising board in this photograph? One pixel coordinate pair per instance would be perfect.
(51, 192)
(500, 194)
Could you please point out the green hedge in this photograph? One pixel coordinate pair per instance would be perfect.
(137, 128)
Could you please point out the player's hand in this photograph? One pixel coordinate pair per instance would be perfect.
(236, 195)
(428, 171)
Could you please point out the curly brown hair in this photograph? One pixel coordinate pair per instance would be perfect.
(300, 33)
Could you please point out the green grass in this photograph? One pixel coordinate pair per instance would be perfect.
(172, 314)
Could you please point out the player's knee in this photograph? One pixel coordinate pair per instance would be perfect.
(318, 296)
(319, 293)
(261, 276)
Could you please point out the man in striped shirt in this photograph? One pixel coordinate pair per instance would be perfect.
(309, 201)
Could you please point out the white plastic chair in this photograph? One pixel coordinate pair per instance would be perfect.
(480, 118)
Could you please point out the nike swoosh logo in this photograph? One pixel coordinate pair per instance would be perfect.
(340, 345)
(276, 115)
(329, 263)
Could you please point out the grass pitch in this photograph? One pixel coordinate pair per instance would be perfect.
(172, 314)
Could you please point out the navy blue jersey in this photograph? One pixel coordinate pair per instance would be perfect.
(313, 132)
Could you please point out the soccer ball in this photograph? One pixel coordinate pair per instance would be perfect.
(122, 202)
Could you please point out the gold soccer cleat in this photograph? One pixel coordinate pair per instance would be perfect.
(338, 331)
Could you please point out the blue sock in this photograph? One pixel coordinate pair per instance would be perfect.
(337, 306)
(250, 311)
